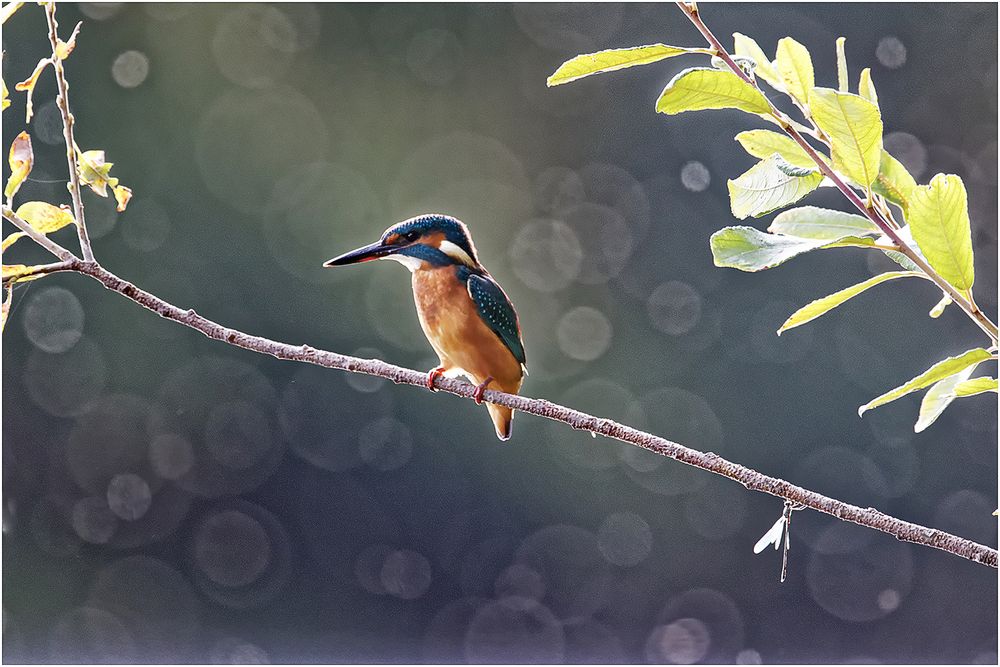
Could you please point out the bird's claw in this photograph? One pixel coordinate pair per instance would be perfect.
(432, 375)
(477, 395)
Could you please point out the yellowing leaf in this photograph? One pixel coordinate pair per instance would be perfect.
(747, 47)
(814, 309)
(769, 185)
(5, 309)
(866, 88)
(935, 373)
(29, 86)
(976, 386)
(6, 97)
(939, 220)
(811, 222)
(21, 159)
(63, 49)
(749, 249)
(938, 309)
(122, 195)
(841, 65)
(19, 273)
(765, 143)
(614, 59)
(796, 69)
(854, 126)
(940, 397)
(44, 217)
(11, 239)
(894, 182)
(8, 10)
(704, 88)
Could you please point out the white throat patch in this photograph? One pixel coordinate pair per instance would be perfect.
(412, 263)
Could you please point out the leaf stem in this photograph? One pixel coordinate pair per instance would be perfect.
(62, 102)
(868, 210)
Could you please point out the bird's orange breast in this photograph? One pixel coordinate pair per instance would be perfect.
(453, 326)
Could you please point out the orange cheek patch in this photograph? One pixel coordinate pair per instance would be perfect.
(433, 240)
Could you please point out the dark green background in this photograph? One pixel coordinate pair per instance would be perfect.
(267, 139)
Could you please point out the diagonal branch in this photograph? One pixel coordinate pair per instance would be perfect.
(62, 102)
(690, 10)
(36, 236)
(751, 479)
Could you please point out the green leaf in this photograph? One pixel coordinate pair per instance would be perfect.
(614, 59)
(894, 182)
(938, 308)
(765, 143)
(854, 126)
(749, 249)
(94, 171)
(812, 310)
(865, 86)
(975, 386)
(939, 220)
(940, 397)
(701, 88)
(811, 222)
(747, 47)
(841, 65)
(935, 373)
(21, 159)
(796, 69)
(768, 185)
(44, 217)
(907, 236)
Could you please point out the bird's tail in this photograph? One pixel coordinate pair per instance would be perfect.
(502, 417)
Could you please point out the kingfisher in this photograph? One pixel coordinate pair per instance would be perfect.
(465, 314)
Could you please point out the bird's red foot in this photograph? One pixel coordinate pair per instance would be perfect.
(477, 395)
(432, 375)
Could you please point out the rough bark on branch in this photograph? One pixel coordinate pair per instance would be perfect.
(751, 479)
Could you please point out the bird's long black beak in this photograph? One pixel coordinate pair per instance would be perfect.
(364, 254)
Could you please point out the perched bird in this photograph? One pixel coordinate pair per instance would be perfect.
(464, 313)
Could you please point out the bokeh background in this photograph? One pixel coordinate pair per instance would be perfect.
(168, 498)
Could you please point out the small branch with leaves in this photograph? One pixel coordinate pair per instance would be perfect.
(35, 220)
(929, 235)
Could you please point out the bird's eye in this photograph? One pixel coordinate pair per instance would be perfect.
(411, 236)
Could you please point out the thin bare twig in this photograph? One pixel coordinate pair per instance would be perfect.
(751, 479)
(978, 316)
(62, 102)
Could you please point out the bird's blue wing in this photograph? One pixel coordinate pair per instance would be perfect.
(497, 312)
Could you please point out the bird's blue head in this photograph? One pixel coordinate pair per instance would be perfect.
(422, 242)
